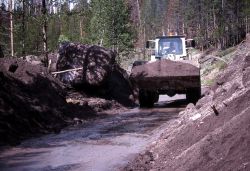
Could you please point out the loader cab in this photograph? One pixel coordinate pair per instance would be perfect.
(168, 47)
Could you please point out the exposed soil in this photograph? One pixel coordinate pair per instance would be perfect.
(33, 102)
(166, 73)
(165, 68)
(214, 134)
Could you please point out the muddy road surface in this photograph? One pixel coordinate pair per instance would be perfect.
(104, 144)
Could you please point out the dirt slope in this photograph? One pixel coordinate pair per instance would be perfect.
(31, 101)
(214, 134)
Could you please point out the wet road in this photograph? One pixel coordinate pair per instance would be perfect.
(105, 144)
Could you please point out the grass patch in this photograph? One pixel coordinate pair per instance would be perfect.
(220, 65)
(226, 52)
(208, 82)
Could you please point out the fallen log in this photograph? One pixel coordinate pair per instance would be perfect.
(68, 70)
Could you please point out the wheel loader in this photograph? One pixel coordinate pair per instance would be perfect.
(170, 71)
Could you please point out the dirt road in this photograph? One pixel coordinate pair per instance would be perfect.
(106, 143)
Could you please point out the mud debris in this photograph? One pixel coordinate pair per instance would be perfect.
(34, 102)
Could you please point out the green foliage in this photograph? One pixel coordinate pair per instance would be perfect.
(110, 25)
(208, 82)
(220, 65)
(226, 52)
(217, 23)
(63, 38)
(153, 17)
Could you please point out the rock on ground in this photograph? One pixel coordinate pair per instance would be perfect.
(100, 75)
(71, 56)
(214, 134)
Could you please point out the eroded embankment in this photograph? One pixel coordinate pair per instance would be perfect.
(214, 134)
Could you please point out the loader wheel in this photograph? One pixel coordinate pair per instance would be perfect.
(137, 63)
(193, 95)
(156, 97)
(147, 98)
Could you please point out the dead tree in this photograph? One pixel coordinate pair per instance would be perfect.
(11, 27)
(45, 40)
(23, 28)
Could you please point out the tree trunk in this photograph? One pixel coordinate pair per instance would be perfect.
(81, 32)
(1, 52)
(11, 28)
(214, 18)
(140, 23)
(138, 13)
(45, 41)
(23, 29)
(246, 24)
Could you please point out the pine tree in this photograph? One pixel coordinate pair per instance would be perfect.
(110, 24)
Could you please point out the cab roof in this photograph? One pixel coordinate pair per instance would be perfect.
(164, 37)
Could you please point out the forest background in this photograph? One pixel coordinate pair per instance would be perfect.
(39, 26)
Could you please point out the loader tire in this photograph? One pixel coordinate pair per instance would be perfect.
(193, 95)
(137, 63)
(147, 98)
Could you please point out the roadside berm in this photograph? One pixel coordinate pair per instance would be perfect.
(213, 134)
(33, 101)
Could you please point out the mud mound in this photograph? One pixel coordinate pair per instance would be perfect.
(94, 103)
(31, 101)
(165, 68)
(165, 73)
(214, 134)
(119, 87)
(99, 75)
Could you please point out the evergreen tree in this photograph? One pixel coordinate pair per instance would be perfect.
(110, 24)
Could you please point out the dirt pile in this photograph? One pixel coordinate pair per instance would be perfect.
(98, 105)
(39, 60)
(31, 101)
(97, 74)
(214, 134)
(165, 68)
(166, 73)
